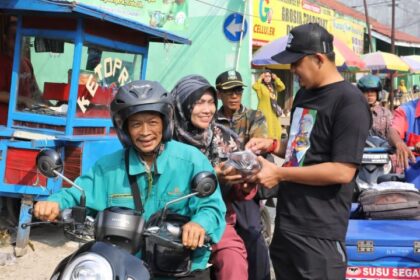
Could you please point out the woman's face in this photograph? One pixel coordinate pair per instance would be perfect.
(203, 111)
(267, 77)
(371, 96)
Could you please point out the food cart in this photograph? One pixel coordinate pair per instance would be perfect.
(383, 249)
(79, 56)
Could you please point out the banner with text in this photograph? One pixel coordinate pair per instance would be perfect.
(170, 15)
(350, 32)
(382, 273)
(275, 18)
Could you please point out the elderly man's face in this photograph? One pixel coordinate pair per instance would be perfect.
(145, 130)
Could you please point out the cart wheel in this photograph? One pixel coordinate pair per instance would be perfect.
(13, 210)
(266, 224)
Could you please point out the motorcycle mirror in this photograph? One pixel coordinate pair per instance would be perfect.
(48, 161)
(204, 184)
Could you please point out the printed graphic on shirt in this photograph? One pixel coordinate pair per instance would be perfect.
(300, 132)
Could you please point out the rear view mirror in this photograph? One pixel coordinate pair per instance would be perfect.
(204, 183)
(48, 161)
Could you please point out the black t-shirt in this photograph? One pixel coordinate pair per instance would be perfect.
(329, 124)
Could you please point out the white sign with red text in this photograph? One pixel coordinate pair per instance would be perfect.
(385, 273)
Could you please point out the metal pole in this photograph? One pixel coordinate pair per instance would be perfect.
(368, 26)
(391, 89)
(238, 54)
(393, 28)
(392, 51)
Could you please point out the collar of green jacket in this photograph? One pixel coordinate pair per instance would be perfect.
(136, 166)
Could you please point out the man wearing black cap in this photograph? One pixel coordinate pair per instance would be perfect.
(329, 126)
(246, 123)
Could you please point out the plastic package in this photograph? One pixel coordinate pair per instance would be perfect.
(245, 162)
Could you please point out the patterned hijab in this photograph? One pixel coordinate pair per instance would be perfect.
(216, 142)
(185, 93)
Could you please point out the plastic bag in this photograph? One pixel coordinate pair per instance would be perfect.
(245, 162)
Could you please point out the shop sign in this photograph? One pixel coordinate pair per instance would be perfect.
(274, 19)
(382, 273)
(108, 69)
(350, 32)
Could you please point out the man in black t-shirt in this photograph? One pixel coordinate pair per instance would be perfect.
(329, 126)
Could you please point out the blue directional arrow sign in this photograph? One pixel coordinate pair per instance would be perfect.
(232, 27)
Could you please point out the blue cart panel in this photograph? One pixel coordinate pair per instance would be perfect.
(383, 249)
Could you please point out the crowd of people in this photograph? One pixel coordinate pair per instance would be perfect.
(169, 136)
(400, 128)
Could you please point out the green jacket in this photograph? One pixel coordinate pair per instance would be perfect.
(106, 184)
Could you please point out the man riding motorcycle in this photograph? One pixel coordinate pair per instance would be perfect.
(142, 115)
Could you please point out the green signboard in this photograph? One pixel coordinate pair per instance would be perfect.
(170, 15)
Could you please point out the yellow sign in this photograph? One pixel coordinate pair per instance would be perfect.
(275, 18)
(350, 32)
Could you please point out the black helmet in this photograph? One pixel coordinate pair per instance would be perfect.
(141, 96)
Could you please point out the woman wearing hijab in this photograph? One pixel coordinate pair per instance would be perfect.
(267, 88)
(195, 105)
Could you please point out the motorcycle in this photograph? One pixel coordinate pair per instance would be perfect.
(375, 162)
(120, 233)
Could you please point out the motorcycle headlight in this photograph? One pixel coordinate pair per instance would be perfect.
(89, 266)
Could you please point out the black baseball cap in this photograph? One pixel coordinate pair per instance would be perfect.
(303, 40)
(228, 80)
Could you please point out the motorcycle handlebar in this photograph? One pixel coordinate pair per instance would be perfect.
(62, 219)
(26, 225)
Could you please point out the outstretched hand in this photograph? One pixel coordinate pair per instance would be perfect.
(259, 145)
(227, 174)
(404, 155)
(268, 176)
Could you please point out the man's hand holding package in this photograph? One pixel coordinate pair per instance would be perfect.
(227, 174)
(268, 176)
